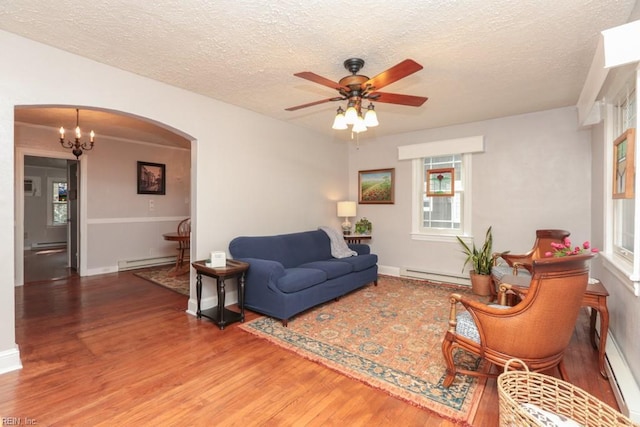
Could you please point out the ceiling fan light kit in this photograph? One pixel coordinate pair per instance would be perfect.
(356, 87)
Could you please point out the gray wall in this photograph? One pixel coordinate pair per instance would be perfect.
(534, 173)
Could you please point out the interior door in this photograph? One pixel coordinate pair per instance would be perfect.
(73, 179)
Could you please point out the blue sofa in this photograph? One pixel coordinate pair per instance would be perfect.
(290, 273)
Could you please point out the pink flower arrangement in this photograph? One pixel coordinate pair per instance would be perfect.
(565, 249)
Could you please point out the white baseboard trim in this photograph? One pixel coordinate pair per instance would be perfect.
(389, 271)
(132, 264)
(10, 360)
(102, 270)
(625, 388)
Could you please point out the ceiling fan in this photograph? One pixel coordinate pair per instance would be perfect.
(357, 87)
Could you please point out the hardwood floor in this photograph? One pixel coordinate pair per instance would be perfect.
(118, 350)
(46, 264)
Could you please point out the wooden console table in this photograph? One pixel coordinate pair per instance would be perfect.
(357, 238)
(221, 315)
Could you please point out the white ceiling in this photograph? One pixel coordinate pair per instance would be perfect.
(482, 58)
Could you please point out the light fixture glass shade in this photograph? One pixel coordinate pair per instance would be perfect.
(359, 125)
(351, 115)
(339, 123)
(347, 209)
(371, 118)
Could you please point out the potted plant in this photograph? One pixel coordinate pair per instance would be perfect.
(481, 260)
(363, 226)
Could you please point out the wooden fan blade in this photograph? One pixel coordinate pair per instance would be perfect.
(396, 98)
(393, 74)
(297, 107)
(308, 75)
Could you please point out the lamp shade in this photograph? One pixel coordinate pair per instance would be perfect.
(339, 123)
(370, 117)
(346, 209)
(359, 125)
(351, 115)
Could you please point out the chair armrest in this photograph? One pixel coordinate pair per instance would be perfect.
(506, 288)
(496, 255)
(517, 258)
(521, 265)
(472, 306)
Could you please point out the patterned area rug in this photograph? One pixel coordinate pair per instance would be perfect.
(389, 337)
(160, 276)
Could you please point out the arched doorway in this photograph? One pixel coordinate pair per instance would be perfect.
(107, 204)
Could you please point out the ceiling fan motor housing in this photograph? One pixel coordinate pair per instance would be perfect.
(354, 65)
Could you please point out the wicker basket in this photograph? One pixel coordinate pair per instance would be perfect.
(552, 395)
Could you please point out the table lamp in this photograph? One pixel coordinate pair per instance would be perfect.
(346, 209)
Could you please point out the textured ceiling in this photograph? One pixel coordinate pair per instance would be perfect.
(482, 58)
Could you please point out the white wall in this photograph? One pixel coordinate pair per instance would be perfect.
(535, 173)
(266, 178)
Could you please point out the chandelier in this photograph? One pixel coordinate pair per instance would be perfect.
(77, 146)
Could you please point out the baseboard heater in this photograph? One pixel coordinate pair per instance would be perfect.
(48, 245)
(131, 264)
(435, 276)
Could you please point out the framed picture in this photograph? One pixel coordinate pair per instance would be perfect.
(151, 178)
(624, 165)
(440, 182)
(376, 186)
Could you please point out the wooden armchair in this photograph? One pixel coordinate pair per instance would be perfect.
(521, 263)
(537, 330)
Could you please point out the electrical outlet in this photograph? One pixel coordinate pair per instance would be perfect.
(152, 205)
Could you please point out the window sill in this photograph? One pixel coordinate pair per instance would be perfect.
(447, 238)
(622, 270)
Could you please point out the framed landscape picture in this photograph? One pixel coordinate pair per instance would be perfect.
(376, 186)
(151, 178)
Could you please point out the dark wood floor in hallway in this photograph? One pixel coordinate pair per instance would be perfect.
(118, 350)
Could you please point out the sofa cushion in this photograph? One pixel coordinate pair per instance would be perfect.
(360, 262)
(306, 246)
(290, 250)
(332, 268)
(296, 279)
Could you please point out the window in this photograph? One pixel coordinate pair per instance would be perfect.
(624, 209)
(442, 213)
(441, 218)
(58, 215)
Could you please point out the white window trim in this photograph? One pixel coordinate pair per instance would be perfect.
(435, 235)
(627, 272)
(416, 152)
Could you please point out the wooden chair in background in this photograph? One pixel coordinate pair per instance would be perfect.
(522, 263)
(184, 245)
(537, 330)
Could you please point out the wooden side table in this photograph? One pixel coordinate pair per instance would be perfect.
(221, 315)
(595, 297)
(357, 238)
